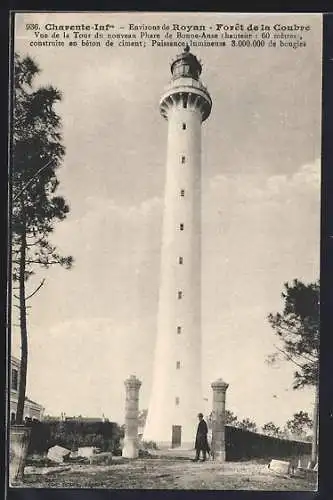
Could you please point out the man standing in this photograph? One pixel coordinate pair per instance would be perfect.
(201, 443)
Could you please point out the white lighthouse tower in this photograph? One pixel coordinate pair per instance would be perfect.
(176, 396)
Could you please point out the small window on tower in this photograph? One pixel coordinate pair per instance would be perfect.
(178, 365)
(177, 401)
(181, 226)
(182, 192)
(183, 159)
(184, 126)
(179, 329)
(180, 294)
(181, 260)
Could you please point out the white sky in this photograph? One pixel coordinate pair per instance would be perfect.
(91, 327)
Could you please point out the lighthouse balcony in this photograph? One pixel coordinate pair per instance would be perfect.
(186, 96)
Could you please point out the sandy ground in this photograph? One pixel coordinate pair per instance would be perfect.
(169, 473)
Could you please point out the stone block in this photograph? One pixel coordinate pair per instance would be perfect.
(58, 453)
(280, 467)
(55, 470)
(86, 451)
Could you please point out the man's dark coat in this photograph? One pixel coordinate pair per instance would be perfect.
(201, 442)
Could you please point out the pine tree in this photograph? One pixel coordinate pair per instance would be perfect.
(37, 152)
(298, 328)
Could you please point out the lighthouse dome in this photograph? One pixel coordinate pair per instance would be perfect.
(186, 65)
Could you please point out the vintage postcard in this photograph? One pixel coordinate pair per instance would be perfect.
(165, 242)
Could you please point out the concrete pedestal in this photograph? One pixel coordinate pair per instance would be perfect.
(218, 428)
(131, 447)
(18, 449)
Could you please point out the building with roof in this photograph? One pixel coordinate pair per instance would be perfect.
(32, 409)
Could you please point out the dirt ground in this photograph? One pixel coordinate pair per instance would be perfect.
(169, 473)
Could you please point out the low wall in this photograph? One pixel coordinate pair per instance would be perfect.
(245, 445)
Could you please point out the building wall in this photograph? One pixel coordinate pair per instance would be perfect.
(31, 408)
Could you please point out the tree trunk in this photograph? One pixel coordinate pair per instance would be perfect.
(315, 427)
(23, 329)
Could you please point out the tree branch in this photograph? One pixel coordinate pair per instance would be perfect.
(38, 288)
(43, 263)
(36, 242)
(31, 179)
(309, 357)
(287, 330)
(290, 358)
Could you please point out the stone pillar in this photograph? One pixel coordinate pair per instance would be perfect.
(131, 448)
(218, 428)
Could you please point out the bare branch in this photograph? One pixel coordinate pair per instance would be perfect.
(38, 288)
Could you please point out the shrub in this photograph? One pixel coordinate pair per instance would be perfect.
(73, 434)
(149, 445)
